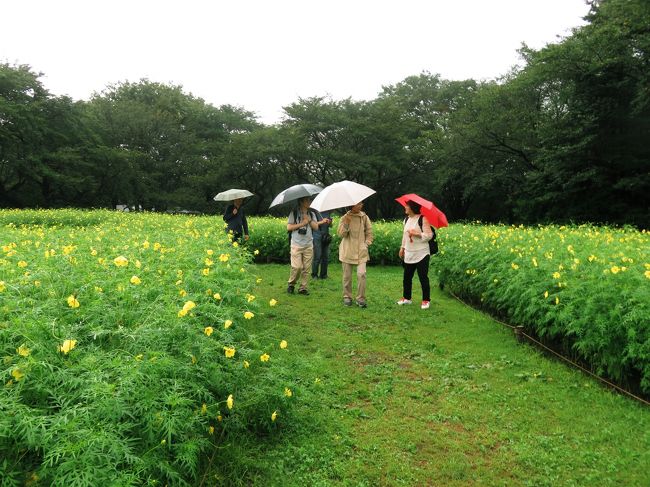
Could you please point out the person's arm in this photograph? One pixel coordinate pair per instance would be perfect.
(230, 213)
(427, 232)
(403, 244)
(291, 226)
(313, 222)
(343, 229)
(368, 230)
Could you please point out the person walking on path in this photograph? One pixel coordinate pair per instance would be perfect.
(301, 223)
(415, 253)
(322, 240)
(355, 230)
(236, 220)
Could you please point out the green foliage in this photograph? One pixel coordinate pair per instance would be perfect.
(582, 287)
(114, 337)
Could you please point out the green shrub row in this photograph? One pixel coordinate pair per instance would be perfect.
(116, 342)
(583, 288)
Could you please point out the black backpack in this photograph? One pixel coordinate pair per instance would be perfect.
(433, 243)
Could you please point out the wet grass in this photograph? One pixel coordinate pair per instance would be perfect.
(400, 396)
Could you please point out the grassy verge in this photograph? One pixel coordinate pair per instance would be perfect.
(401, 396)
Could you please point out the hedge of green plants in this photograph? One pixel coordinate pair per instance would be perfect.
(583, 288)
(125, 355)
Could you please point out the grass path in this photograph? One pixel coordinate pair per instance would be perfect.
(401, 396)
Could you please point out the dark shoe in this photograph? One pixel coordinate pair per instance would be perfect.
(303, 291)
(362, 304)
(323, 277)
(290, 289)
(347, 302)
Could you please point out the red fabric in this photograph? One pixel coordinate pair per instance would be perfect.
(436, 217)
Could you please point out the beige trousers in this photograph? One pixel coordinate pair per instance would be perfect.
(301, 258)
(361, 281)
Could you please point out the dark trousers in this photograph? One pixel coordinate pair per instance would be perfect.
(321, 258)
(423, 274)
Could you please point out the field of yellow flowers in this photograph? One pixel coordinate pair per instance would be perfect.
(125, 355)
(583, 288)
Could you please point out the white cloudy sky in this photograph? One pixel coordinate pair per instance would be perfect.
(264, 54)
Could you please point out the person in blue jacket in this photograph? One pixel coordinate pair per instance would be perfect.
(236, 220)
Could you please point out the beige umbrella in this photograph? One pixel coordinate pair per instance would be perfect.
(338, 195)
(233, 194)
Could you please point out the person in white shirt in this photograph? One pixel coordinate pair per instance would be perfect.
(415, 253)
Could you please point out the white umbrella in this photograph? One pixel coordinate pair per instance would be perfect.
(295, 192)
(233, 194)
(338, 195)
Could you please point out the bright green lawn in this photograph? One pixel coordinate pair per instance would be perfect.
(401, 396)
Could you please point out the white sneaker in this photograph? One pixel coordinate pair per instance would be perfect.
(404, 301)
(425, 305)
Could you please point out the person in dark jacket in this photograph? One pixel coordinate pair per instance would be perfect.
(322, 240)
(236, 221)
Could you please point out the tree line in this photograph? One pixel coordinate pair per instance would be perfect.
(561, 138)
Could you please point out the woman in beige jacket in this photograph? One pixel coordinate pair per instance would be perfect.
(355, 230)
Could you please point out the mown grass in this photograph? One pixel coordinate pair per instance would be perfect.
(401, 396)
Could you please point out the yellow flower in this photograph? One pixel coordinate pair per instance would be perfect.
(3, 286)
(138, 264)
(23, 351)
(206, 271)
(211, 430)
(72, 301)
(193, 359)
(246, 364)
(514, 266)
(591, 258)
(230, 401)
(208, 330)
(615, 269)
(229, 352)
(146, 244)
(204, 408)
(287, 392)
(217, 296)
(37, 283)
(139, 357)
(223, 258)
(265, 357)
(283, 344)
(67, 346)
(219, 418)
(556, 275)
(258, 280)
(22, 264)
(256, 252)
(647, 274)
(135, 280)
(93, 252)
(235, 244)
(189, 305)
(557, 300)
(182, 293)
(17, 374)
(545, 294)
(208, 262)
(248, 315)
(98, 289)
(156, 246)
(274, 415)
(273, 302)
(121, 261)
(250, 298)
(227, 324)
(209, 251)
(534, 262)
(182, 313)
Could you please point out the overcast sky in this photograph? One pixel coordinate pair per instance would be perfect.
(264, 54)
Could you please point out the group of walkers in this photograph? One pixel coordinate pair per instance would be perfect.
(310, 240)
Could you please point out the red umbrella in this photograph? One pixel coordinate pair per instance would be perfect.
(436, 217)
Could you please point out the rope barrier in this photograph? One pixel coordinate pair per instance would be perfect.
(518, 330)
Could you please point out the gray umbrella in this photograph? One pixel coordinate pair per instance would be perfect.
(233, 194)
(295, 192)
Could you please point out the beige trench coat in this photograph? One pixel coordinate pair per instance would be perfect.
(355, 239)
